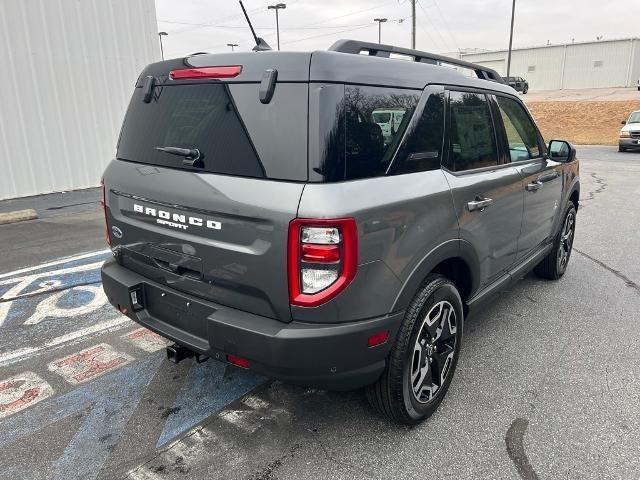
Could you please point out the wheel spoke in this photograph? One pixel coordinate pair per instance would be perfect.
(442, 363)
(448, 326)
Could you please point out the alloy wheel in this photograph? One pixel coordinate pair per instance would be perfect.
(566, 241)
(433, 352)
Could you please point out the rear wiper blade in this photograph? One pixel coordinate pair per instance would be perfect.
(193, 156)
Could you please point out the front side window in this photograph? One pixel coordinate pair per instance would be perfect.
(472, 140)
(520, 130)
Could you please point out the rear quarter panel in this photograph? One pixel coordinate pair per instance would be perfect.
(400, 220)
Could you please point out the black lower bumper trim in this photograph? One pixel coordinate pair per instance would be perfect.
(331, 356)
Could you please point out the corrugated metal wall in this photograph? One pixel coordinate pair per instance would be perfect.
(614, 63)
(68, 71)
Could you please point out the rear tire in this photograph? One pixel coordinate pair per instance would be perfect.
(424, 357)
(555, 263)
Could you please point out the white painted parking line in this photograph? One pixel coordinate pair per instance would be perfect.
(109, 325)
(89, 363)
(147, 340)
(22, 391)
(54, 263)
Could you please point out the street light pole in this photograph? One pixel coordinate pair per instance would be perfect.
(513, 12)
(380, 22)
(160, 35)
(232, 45)
(413, 24)
(276, 7)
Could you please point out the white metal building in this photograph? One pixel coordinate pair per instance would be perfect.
(606, 63)
(68, 71)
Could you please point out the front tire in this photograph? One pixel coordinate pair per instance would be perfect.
(555, 263)
(424, 357)
(621, 148)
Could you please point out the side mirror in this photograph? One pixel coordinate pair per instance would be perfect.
(562, 151)
(624, 122)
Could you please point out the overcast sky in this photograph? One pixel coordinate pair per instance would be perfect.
(442, 25)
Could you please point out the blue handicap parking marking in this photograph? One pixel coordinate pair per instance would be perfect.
(110, 401)
(206, 390)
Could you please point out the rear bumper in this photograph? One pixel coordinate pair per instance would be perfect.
(331, 356)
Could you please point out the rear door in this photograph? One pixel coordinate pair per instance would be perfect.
(487, 193)
(216, 227)
(541, 176)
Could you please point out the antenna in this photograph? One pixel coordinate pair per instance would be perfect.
(261, 45)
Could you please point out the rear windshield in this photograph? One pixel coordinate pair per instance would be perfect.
(234, 133)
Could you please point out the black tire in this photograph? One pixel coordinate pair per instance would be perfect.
(524, 92)
(621, 148)
(415, 347)
(555, 263)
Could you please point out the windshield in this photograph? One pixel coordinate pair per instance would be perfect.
(634, 118)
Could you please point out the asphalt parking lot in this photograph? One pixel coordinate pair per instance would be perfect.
(548, 384)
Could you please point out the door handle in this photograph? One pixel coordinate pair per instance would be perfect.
(533, 186)
(479, 204)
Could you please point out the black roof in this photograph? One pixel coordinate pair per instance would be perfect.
(344, 66)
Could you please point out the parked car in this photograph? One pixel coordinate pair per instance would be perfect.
(389, 121)
(630, 133)
(519, 84)
(257, 216)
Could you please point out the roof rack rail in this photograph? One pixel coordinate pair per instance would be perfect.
(379, 50)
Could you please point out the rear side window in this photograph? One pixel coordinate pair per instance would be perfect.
(422, 150)
(472, 139)
(375, 119)
(235, 133)
(520, 130)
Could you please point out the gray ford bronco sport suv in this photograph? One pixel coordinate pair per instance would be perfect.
(258, 215)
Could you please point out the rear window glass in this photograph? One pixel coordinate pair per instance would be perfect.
(233, 131)
(363, 130)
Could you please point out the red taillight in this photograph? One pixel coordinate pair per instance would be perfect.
(238, 361)
(320, 253)
(322, 258)
(107, 234)
(378, 338)
(229, 71)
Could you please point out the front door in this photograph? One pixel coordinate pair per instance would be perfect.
(487, 194)
(541, 176)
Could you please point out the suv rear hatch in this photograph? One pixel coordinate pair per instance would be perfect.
(213, 223)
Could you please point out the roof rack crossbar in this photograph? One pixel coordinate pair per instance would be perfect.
(378, 50)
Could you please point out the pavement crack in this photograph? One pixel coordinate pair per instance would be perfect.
(47, 292)
(630, 283)
(601, 186)
(515, 448)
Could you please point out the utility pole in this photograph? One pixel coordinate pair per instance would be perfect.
(276, 7)
(513, 12)
(413, 24)
(232, 45)
(160, 35)
(380, 22)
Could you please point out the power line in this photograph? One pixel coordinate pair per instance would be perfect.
(327, 34)
(435, 29)
(446, 25)
(207, 25)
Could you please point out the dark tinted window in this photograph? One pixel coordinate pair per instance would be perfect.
(522, 136)
(423, 148)
(236, 133)
(375, 119)
(472, 141)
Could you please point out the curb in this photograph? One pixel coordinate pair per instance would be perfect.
(18, 216)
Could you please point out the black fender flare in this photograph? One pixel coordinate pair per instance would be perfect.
(450, 249)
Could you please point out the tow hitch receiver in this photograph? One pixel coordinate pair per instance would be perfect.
(176, 353)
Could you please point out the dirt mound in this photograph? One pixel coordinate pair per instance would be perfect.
(583, 122)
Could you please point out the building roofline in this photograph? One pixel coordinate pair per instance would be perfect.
(586, 42)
